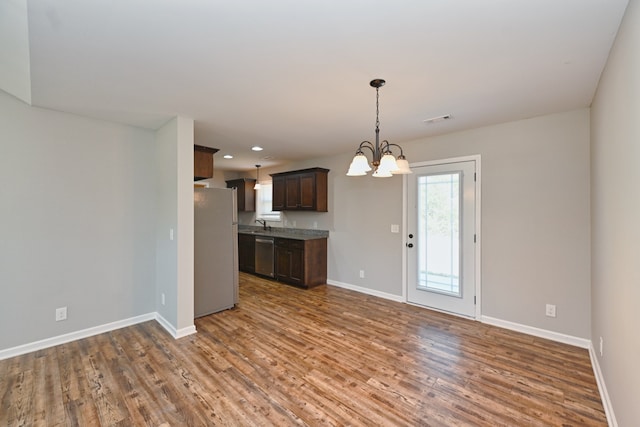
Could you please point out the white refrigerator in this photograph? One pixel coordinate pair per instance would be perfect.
(215, 250)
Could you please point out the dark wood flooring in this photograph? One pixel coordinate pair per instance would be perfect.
(287, 356)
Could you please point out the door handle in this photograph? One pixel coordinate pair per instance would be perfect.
(409, 245)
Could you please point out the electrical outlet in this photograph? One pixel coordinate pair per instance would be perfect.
(61, 314)
(362, 274)
(315, 224)
(162, 298)
(171, 234)
(551, 310)
(601, 346)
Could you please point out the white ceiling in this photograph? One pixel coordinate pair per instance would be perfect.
(293, 75)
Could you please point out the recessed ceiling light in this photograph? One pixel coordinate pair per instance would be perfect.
(228, 156)
(437, 119)
(256, 148)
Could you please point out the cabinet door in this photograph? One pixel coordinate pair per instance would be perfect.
(292, 199)
(249, 196)
(290, 261)
(278, 192)
(246, 253)
(307, 198)
(238, 184)
(282, 261)
(202, 165)
(246, 195)
(296, 262)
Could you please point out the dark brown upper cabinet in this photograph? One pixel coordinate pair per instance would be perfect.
(203, 162)
(246, 195)
(301, 190)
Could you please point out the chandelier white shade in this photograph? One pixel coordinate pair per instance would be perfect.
(384, 163)
(359, 165)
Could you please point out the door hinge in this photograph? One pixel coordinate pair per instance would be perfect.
(474, 177)
(474, 300)
(474, 238)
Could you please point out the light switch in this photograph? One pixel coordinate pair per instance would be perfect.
(171, 234)
(395, 228)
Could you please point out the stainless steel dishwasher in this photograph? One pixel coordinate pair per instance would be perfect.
(264, 256)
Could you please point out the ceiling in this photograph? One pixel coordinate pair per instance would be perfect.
(293, 76)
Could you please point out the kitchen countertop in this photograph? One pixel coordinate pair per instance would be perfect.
(286, 233)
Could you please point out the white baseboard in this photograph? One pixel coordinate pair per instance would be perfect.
(175, 333)
(72, 336)
(397, 298)
(85, 333)
(537, 332)
(604, 394)
(189, 330)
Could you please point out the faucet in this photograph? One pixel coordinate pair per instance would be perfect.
(264, 223)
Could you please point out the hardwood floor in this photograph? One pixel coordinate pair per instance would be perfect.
(288, 356)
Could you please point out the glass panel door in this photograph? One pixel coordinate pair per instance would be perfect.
(438, 233)
(441, 228)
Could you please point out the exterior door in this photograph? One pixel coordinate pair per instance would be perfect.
(441, 248)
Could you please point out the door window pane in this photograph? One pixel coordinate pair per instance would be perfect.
(439, 233)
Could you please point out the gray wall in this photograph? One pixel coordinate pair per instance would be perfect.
(166, 218)
(535, 215)
(535, 219)
(185, 228)
(77, 203)
(174, 215)
(615, 175)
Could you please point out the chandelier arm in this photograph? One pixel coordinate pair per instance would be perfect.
(386, 148)
(366, 144)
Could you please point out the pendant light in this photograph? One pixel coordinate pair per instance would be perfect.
(257, 186)
(383, 161)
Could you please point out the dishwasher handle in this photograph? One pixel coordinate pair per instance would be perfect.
(264, 239)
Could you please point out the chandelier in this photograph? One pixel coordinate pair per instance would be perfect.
(383, 160)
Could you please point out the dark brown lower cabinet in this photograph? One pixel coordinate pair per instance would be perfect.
(246, 253)
(301, 262)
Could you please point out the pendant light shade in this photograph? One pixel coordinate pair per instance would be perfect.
(403, 167)
(387, 164)
(379, 173)
(383, 161)
(359, 165)
(257, 186)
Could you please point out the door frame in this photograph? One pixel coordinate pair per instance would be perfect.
(478, 217)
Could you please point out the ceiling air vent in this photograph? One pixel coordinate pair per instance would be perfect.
(437, 119)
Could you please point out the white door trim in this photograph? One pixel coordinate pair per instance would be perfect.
(478, 217)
